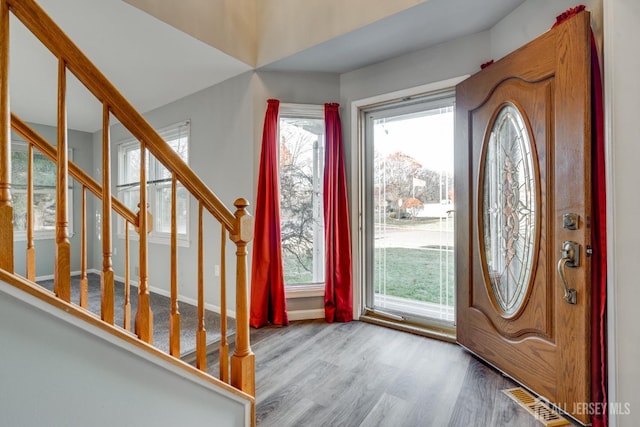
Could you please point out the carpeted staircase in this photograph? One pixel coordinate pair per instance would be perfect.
(161, 306)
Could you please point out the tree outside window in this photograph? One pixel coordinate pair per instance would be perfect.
(301, 146)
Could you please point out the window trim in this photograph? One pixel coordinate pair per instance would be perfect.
(155, 236)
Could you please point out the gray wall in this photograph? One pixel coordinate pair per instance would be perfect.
(622, 103)
(59, 371)
(81, 144)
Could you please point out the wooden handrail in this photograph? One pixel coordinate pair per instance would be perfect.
(46, 30)
(51, 152)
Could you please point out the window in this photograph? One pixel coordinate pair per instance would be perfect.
(408, 211)
(301, 146)
(44, 193)
(158, 185)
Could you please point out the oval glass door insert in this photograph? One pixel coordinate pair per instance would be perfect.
(508, 204)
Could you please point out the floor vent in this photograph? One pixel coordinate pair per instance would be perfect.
(536, 407)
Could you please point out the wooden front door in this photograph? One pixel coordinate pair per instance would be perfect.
(523, 132)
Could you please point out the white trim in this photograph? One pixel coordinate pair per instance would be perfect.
(157, 238)
(403, 93)
(51, 276)
(304, 291)
(159, 291)
(181, 298)
(612, 318)
(316, 313)
(21, 236)
(313, 111)
(357, 199)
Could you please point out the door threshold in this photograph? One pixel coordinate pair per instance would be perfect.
(439, 333)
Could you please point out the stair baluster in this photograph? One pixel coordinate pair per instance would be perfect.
(62, 267)
(84, 282)
(201, 337)
(174, 319)
(144, 316)
(106, 275)
(6, 209)
(31, 249)
(224, 346)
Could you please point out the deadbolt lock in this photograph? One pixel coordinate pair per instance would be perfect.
(570, 221)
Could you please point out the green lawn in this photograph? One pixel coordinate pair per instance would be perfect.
(415, 274)
(295, 270)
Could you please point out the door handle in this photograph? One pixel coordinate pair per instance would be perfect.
(570, 258)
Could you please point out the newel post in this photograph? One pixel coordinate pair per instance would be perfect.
(6, 208)
(243, 374)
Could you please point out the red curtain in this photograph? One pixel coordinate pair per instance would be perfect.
(598, 237)
(338, 296)
(268, 303)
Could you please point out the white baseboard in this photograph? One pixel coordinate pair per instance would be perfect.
(73, 273)
(181, 298)
(51, 276)
(316, 313)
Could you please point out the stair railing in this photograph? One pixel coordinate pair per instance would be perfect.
(238, 226)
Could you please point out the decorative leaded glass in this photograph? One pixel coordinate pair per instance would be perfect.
(509, 209)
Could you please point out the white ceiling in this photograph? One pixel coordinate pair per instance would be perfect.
(416, 28)
(154, 64)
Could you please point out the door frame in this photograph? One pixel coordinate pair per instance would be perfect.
(358, 166)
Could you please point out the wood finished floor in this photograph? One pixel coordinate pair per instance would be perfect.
(358, 374)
